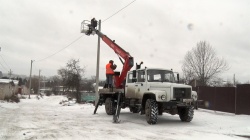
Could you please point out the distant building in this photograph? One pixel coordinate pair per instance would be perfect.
(58, 90)
(7, 88)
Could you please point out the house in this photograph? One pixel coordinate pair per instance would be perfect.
(58, 90)
(21, 89)
(7, 88)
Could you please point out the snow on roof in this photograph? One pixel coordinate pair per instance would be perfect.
(6, 81)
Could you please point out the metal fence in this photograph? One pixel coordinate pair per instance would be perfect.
(227, 99)
(87, 97)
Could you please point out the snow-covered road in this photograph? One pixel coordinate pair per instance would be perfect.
(47, 119)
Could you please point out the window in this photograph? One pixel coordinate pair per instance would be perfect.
(160, 76)
(169, 77)
(130, 77)
(141, 76)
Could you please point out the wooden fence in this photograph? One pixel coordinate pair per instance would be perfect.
(227, 99)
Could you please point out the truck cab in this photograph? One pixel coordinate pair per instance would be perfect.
(160, 82)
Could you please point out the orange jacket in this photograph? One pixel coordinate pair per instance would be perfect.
(109, 70)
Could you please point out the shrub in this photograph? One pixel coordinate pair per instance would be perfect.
(13, 98)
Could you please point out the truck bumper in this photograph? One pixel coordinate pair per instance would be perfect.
(174, 104)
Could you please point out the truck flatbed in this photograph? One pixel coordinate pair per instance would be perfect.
(110, 90)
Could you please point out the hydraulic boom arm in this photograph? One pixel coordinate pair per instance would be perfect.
(128, 60)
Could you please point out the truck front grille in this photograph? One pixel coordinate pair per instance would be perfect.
(182, 93)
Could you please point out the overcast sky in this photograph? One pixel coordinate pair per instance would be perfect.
(159, 33)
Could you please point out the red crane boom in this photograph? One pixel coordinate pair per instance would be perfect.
(128, 59)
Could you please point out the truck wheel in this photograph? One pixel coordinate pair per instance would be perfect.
(151, 111)
(186, 113)
(109, 106)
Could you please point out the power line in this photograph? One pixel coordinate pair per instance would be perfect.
(60, 49)
(118, 11)
(3, 66)
(5, 62)
(83, 35)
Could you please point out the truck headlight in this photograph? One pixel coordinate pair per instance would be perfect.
(194, 95)
(163, 97)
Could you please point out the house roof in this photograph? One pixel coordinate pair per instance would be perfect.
(7, 81)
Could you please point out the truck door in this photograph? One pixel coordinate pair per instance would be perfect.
(130, 86)
(140, 85)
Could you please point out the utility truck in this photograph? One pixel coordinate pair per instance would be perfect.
(148, 91)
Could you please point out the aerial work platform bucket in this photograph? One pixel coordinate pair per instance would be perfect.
(85, 26)
(88, 27)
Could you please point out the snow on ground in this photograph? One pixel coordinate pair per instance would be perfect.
(47, 119)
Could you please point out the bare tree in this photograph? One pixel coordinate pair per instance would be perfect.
(71, 76)
(54, 83)
(202, 64)
(63, 73)
(34, 84)
(88, 84)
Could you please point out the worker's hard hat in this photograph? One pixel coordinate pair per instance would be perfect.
(111, 61)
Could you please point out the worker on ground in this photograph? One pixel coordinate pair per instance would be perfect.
(110, 67)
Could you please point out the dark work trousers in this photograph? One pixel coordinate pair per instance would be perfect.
(109, 80)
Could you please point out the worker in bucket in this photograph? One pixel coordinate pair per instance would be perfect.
(110, 67)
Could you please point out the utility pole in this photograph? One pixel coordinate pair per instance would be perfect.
(235, 96)
(97, 67)
(44, 84)
(10, 73)
(234, 80)
(39, 83)
(30, 76)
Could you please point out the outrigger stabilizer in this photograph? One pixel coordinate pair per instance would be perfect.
(117, 107)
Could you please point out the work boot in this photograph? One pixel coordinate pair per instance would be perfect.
(105, 86)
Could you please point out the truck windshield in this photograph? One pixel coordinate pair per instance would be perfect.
(154, 75)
